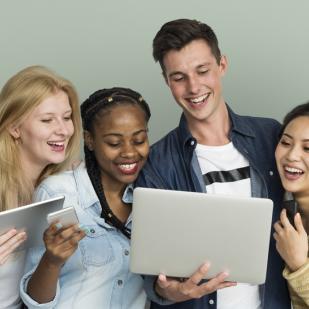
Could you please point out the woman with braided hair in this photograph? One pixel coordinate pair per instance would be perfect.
(96, 274)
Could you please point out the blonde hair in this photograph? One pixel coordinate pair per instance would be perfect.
(18, 98)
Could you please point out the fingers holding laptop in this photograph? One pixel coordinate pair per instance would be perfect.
(9, 241)
(61, 242)
(175, 290)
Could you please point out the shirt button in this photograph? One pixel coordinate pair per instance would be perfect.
(92, 231)
(192, 143)
(211, 302)
(271, 173)
(119, 282)
(126, 252)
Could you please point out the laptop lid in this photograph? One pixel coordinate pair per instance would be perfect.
(175, 232)
(30, 218)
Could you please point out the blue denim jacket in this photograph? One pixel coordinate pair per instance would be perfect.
(172, 164)
(97, 275)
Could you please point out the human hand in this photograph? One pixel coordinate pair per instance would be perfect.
(9, 241)
(291, 243)
(61, 243)
(177, 291)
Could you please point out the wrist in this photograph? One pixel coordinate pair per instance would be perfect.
(51, 263)
(296, 265)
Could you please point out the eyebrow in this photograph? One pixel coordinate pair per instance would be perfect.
(198, 67)
(120, 135)
(50, 113)
(291, 137)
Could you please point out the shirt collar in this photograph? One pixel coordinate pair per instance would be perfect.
(239, 125)
(87, 192)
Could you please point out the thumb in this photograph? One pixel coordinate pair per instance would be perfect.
(163, 282)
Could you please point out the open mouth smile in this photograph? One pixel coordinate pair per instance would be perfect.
(56, 146)
(199, 100)
(128, 168)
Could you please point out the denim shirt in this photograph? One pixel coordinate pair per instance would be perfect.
(97, 275)
(173, 164)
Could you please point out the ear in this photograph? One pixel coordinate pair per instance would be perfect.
(223, 65)
(88, 140)
(14, 131)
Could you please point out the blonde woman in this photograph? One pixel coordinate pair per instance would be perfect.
(39, 136)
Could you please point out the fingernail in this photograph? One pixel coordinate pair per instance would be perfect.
(205, 266)
(58, 226)
(83, 228)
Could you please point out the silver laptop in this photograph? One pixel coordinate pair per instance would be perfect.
(30, 218)
(174, 232)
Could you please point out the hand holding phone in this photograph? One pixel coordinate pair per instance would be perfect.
(65, 216)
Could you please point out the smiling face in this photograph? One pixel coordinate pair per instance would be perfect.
(292, 157)
(120, 143)
(43, 136)
(194, 77)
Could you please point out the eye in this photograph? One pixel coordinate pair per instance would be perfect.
(203, 72)
(177, 78)
(284, 142)
(47, 120)
(139, 142)
(113, 145)
(306, 149)
(67, 118)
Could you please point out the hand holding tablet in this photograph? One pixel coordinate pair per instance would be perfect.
(29, 219)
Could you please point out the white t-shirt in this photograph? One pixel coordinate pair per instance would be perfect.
(10, 274)
(226, 171)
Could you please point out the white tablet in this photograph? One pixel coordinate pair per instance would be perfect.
(174, 232)
(30, 218)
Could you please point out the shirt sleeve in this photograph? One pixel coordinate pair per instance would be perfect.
(33, 258)
(298, 282)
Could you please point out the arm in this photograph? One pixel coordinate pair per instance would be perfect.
(298, 285)
(9, 241)
(60, 245)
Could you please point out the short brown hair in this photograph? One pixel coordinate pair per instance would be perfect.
(175, 34)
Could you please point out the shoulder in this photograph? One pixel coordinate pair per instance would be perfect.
(64, 183)
(57, 182)
(264, 129)
(262, 122)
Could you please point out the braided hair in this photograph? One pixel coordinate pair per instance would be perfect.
(102, 100)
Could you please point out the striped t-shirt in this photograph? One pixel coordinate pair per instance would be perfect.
(226, 171)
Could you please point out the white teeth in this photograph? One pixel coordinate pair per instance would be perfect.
(199, 99)
(55, 144)
(127, 166)
(293, 170)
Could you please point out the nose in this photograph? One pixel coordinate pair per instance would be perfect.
(193, 85)
(62, 128)
(128, 151)
(294, 154)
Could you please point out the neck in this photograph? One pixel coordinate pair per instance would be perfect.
(213, 131)
(114, 189)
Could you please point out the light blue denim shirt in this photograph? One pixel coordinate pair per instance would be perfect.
(97, 275)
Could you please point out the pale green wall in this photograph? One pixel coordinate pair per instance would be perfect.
(102, 43)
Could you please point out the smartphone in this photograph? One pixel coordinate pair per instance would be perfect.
(291, 207)
(65, 216)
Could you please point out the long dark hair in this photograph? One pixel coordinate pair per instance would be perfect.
(100, 100)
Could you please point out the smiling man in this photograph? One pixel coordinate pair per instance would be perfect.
(212, 150)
